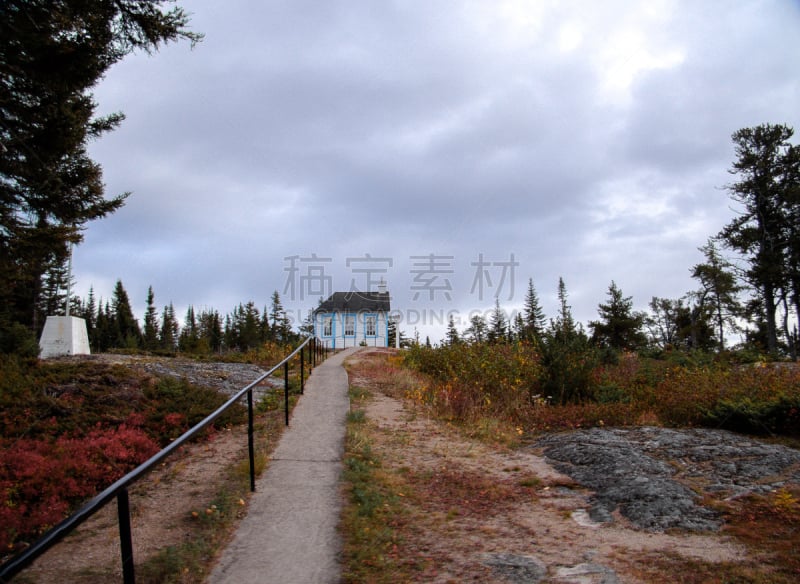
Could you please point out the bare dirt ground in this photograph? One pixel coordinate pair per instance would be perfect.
(491, 514)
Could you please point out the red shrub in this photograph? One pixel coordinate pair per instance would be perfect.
(41, 480)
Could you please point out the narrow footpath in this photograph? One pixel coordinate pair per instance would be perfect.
(289, 534)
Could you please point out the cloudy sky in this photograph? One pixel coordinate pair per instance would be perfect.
(454, 148)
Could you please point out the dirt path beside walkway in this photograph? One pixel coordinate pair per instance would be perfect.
(490, 515)
(477, 512)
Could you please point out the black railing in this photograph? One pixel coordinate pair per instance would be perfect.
(119, 489)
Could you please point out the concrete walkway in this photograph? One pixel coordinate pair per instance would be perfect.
(289, 535)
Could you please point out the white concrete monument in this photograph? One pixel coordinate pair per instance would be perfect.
(64, 335)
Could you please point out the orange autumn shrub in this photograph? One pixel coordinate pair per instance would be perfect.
(475, 380)
(469, 382)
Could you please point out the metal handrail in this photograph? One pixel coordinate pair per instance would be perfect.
(119, 488)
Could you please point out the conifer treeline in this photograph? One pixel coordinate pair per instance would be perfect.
(112, 325)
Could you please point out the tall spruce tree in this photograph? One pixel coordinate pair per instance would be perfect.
(280, 325)
(100, 337)
(452, 337)
(210, 326)
(563, 325)
(243, 327)
(189, 339)
(533, 315)
(168, 339)
(89, 312)
(768, 168)
(124, 327)
(52, 290)
(52, 54)
(568, 357)
(518, 327)
(151, 334)
(498, 324)
(791, 200)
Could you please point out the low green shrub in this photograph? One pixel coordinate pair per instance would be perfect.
(172, 406)
(780, 416)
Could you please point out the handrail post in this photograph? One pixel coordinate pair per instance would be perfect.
(250, 446)
(286, 390)
(125, 539)
(302, 372)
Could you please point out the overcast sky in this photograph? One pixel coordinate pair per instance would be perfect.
(455, 149)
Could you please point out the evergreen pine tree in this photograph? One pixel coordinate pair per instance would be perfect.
(534, 318)
(126, 327)
(477, 331)
(89, 314)
(564, 324)
(662, 322)
(768, 167)
(279, 321)
(307, 326)
(53, 288)
(568, 357)
(452, 332)
(229, 334)
(498, 324)
(392, 326)
(151, 333)
(189, 338)
(719, 284)
(267, 332)
(243, 330)
(518, 327)
(168, 339)
(210, 330)
(106, 331)
(52, 54)
(619, 327)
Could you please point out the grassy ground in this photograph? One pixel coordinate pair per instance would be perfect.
(373, 518)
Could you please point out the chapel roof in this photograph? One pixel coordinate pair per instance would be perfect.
(355, 302)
